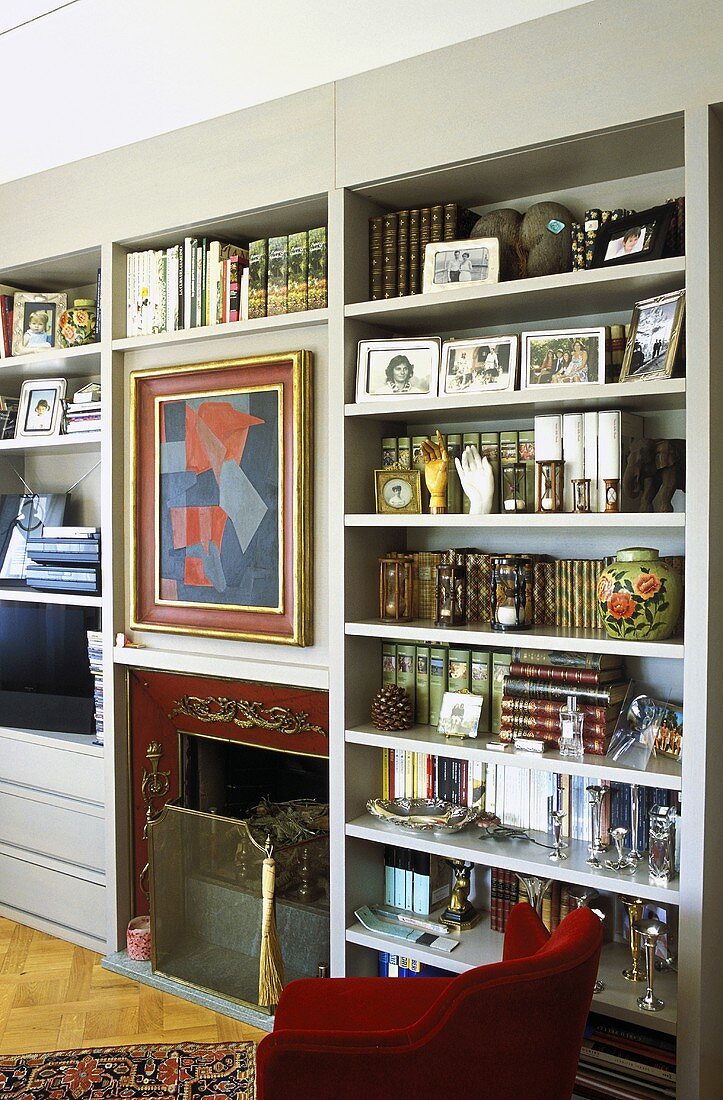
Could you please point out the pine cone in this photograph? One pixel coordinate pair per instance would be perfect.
(392, 709)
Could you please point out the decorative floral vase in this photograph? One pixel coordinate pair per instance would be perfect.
(76, 326)
(639, 596)
(138, 939)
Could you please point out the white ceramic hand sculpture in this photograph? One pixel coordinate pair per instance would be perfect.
(478, 480)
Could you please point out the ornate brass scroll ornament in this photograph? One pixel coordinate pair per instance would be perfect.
(246, 713)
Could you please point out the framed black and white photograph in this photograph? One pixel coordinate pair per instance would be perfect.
(484, 363)
(450, 264)
(398, 491)
(459, 714)
(567, 357)
(397, 368)
(35, 321)
(634, 238)
(41, 408)
(655, 338)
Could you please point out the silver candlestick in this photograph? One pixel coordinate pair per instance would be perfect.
(535, 888)
(596, 795)
(557, 853)
(635, 854)
(581, 897)
(650, 931)
(661, 858)
(621, 863)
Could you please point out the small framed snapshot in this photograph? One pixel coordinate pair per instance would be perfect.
(571, 356)
(41, 408)
(398, 491)
(35, 321)
(459, 714)
(474, 366)
(397, 368)
(655, 338)
(450, 264)
(634, 238)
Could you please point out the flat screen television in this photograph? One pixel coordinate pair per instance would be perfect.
(45, 680)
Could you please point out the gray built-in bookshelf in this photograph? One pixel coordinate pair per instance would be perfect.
(620, 130)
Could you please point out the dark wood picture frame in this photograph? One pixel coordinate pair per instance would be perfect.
(652, 226)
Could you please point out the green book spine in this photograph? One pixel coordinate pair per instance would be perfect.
(418, 464)
(509, 448)
(317, 275)
(526, 450)
(469, 439)
(389, 255)
(276, 284)
(500, 668)
(454, 485)
(480, 668)
(258, 270)
(460, 670)
(297, 283)
(489, 445)
(389, 662)
(405, 669)
(422, 685)
(389, 451)
(404, 452)
(438, 673)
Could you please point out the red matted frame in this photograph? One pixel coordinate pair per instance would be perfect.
(153, 608)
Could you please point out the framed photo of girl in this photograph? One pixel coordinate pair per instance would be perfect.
(637, 237)
(397, 368)
(483, 363)
(35, 321)
(563, 357)
(40, 411)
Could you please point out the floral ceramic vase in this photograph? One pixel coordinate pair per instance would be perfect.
(76, 326)
(639, 596)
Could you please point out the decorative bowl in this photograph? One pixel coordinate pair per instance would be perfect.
(423, 813)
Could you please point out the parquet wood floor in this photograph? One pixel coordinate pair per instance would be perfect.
(55, 996)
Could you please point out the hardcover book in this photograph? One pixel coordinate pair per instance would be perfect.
(317, 277)
(277, 279)
(422, 685)
(438, 676)
(297, 284)
(402, 253)
(258, 270)
(405, 670)
(375, 257)
(389, 255)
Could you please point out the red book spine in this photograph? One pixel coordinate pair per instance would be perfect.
(547, 708)
(595, 746)
(588, 676)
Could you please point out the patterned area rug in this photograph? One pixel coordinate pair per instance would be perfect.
(187, 1071)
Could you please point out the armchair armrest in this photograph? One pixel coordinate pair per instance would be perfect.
(525, 933)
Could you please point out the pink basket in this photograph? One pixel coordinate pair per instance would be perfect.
(138, 939)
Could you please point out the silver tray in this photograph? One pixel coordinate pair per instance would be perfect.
(423, 813)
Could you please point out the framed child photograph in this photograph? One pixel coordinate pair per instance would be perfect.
(567, 357)
(655, 338)
(459, 714)
(41, 408)
(398, 491)
(35, 321)
(451, 264)
(397, 368)
(634, 238)
(474, 366)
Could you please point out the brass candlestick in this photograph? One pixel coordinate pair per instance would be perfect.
(634, 907)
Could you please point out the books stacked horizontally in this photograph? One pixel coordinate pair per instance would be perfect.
(65, 559)
(397, 241)
(536, 689)
(8, 416)
(95, 659)
(82, 414)
(622, 1060)
(288, 274)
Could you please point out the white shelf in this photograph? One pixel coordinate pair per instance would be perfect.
(34, 595)
(662, 771)
(474, 408)
(79, 441)
(541, 637)
(284, 321)
(233, 668)
(517, 855)
(480, 946)
(82, 362)
(525, 301)
(74, 742)
(570, 521)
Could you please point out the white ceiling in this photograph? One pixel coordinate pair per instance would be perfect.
(78, 77)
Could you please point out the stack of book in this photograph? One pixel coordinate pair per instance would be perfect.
(415, 881)
(534, 692)
(82, 416)
(95, 659)
(397, 241)
(625, 1061)
(287, 274)
(504, 895)
(65, 559)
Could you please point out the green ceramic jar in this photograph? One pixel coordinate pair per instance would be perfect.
(76, 326)
(639, 596)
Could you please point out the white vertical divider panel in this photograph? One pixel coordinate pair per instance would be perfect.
(700, 975)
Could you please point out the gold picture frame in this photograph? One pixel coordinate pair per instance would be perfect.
(397, 492)
(652, 347)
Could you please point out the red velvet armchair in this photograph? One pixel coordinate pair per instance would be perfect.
(513, 1028)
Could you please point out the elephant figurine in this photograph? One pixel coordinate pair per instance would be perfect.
(654, 470)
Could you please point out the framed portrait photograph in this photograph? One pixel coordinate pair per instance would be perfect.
(632, 239)
(570, 356)
(221, 461)
(484, 363)
(397, 368)
(459, 714)
(40, 411)
(35, 321)
(398, 491)
(655, 338)
(450, 264)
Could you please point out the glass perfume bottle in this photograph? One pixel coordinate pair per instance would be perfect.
(571, 723)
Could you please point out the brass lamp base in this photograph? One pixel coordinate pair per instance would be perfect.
(462, 921)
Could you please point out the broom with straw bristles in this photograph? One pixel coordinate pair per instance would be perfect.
(271, 964)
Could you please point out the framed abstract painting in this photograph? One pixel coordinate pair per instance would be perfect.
(222, 498)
